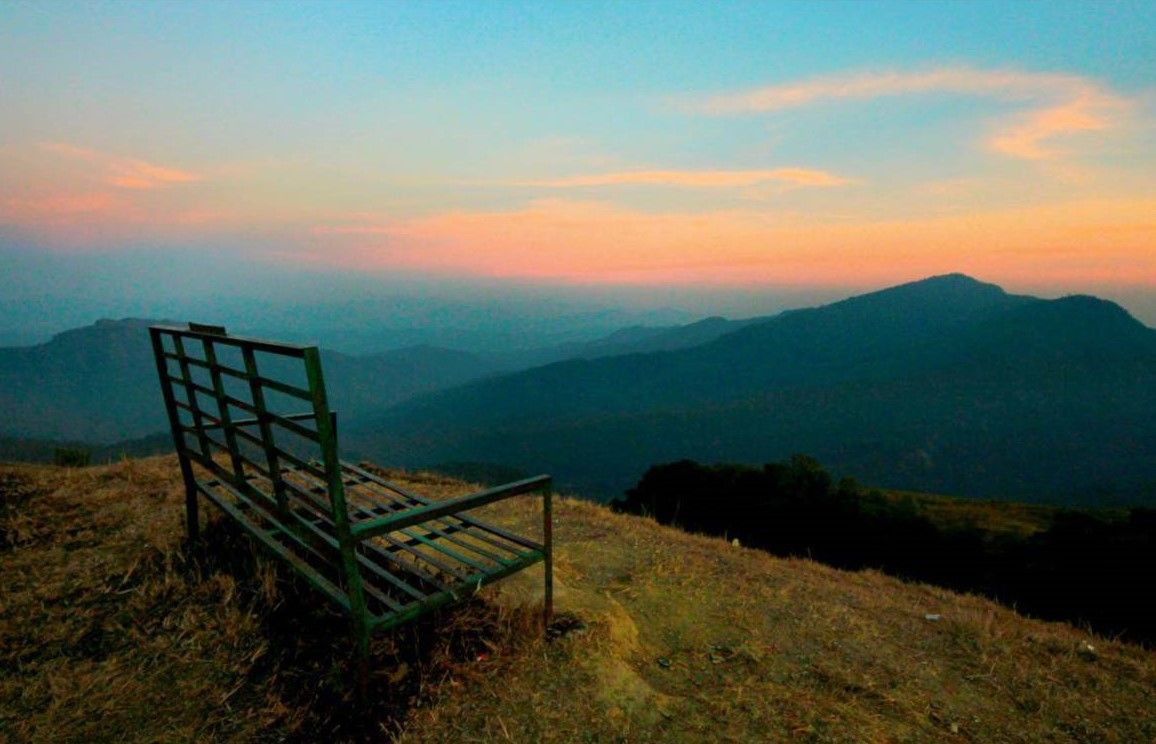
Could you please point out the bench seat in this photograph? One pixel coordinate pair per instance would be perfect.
(405, 572)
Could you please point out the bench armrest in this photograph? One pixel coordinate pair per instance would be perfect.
(418, 514)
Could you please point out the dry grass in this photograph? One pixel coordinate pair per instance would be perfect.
(108, 630)
(991, 518)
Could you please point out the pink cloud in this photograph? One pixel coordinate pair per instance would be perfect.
(1061, 104)
(59, 207)
(1026, 138)
(122, 172)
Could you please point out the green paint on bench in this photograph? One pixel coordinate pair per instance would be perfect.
(382, 554)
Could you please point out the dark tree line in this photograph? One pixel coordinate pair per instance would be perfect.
(1085, 568)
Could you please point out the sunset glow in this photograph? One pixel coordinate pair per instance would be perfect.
(803, 145)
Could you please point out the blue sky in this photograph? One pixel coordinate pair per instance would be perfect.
(642, 144)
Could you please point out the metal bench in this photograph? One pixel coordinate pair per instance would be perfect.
(381, 553)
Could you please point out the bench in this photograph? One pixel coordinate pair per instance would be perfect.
(380, 553)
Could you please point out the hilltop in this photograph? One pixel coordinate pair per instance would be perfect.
(111, 632)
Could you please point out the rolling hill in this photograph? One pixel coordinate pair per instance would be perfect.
(947, 385)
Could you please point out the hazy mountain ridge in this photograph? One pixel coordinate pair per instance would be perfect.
(637, 339)
(98, 384)
(947, 385)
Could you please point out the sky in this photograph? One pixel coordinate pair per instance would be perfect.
(719, 151)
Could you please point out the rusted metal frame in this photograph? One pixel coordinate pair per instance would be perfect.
(192, 515)
(464, 589)
(437, 509)
(328, 441)
(225, 421)
(326, 587)
(419, 499)
(267, 442)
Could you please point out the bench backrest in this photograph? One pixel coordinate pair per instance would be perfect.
(249, 411)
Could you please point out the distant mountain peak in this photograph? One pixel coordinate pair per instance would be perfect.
(936, 299)
(954, 282)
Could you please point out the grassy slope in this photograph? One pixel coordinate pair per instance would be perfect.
(991, 518)
(107, 631)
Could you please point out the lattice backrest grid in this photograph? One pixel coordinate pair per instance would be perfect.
(249, 404)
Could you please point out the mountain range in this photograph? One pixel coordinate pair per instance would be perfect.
(98, 383)
(947, 384)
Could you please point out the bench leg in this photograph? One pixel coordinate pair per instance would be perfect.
(362, 661)
(192, 513)
(548, 543)
(192, 518)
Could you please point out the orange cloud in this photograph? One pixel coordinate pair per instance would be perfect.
(1064, 104)
(869, 85)
(121, 172)
(596, 242)
(705, 179)
(1025, 139)
(59, 207)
